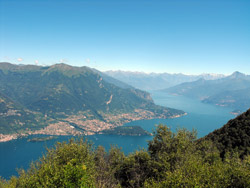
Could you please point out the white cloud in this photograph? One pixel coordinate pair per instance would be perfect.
(19, 59)
(36, 62)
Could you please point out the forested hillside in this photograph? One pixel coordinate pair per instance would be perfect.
(234, 136)
(33, 97)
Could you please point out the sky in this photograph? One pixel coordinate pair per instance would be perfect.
(174, 36)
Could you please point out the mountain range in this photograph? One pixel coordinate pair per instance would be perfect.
(231, 91)
(62, 99)
(157, 81)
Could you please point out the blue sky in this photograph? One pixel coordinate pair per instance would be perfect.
(188, 36)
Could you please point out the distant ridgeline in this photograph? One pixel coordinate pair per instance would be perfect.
(232, 91)
(63, 99)
(157, 81)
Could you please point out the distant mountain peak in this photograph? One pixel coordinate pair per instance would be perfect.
(237, 74)
(62, 66)
(68, 70)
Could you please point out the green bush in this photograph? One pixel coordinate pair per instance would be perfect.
(172, 160)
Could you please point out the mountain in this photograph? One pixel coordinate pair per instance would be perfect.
(112, 80)
(232, 91)
(14, 116)
(237, 75)
(234, 136)
(157, 81)
(237, 99)
(62, 99)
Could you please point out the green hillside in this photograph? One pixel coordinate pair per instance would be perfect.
(234, 136)
(14, 117)
(62, 91)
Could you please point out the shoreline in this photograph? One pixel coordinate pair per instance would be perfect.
(75, 126)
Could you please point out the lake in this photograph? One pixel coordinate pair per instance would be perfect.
(202, 117)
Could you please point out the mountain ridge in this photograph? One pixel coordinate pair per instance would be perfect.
(231, 91)
(157, 81)
(71, 99)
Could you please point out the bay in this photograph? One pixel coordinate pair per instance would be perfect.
(203, 117)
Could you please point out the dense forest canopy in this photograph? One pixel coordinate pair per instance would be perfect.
(234, 136)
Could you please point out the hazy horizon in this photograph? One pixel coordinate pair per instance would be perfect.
(128, 71)
(194, 37)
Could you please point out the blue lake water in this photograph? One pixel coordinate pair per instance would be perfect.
(202, 117)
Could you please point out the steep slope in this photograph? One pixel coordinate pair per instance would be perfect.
(232, 91)
(14, 116)
(234, 136)
(112, 80)
(73, 96)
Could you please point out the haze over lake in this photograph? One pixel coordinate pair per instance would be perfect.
(202, 117)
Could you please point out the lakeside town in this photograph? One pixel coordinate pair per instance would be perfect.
(82, 124)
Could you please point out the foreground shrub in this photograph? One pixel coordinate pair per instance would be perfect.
(67, 165)
(172, 160)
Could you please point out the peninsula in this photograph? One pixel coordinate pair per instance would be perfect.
(41, 139)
